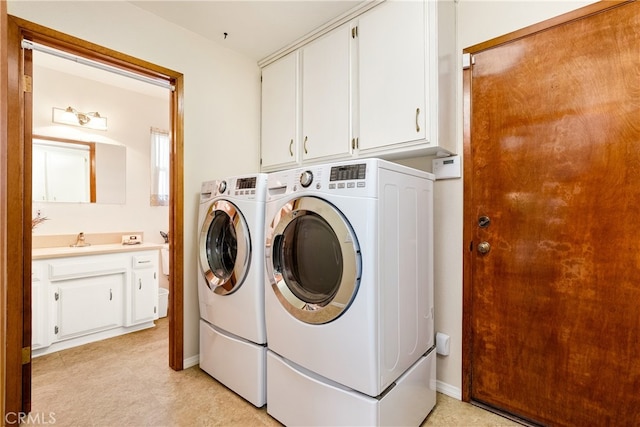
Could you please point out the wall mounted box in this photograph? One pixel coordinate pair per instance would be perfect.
(446, 167)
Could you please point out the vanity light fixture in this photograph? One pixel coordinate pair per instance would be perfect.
(71, 116)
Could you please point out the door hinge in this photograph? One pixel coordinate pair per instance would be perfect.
(467, 61)
(55, 330)
(26, 355)
(56, 296)
(354, 32)
(27, 85)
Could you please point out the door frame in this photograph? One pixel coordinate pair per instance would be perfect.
(469, 220)
(15, 197)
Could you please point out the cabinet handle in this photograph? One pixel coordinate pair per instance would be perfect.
(139, 283)
(291, 147)
(110, 295)
(417, 116)
(353, 143)
(305, 144)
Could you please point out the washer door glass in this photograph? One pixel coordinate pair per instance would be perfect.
(224, 247)
(315, 260)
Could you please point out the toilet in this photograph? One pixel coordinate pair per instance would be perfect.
(163, 293)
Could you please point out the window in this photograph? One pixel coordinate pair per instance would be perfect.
(160, 146)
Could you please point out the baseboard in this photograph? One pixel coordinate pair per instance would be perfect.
(449, 390)
(191, 361)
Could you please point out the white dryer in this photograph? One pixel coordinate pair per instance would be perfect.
(231, 284)
(349, 294)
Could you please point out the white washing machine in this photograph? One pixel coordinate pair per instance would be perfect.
(231, 284)
(349, 294)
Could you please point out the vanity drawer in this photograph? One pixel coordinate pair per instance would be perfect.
(144, 261)
(86, 268)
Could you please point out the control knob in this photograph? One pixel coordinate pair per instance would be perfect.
(306, 178)
(222, 187)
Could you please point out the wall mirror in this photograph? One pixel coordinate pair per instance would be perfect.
(71, 171)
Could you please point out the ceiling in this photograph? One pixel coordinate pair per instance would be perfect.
(254, 28)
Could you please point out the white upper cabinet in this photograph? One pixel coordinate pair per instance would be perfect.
(378, 83)
(279, 141)
(326, 126)
(392, 96)
(306, 103)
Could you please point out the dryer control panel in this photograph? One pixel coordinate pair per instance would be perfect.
(348, 172)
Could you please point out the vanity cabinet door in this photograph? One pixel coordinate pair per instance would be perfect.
(144, 305)
(89, 304)
(40, 334)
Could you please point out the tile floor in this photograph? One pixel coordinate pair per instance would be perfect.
(126, 381)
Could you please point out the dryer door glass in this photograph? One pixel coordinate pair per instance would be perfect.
(312, 259)
(224, 248)
(315, 260)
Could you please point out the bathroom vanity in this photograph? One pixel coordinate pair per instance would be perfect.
(86, 294)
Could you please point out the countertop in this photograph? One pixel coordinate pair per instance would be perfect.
(67, 251)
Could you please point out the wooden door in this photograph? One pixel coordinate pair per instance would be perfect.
(16, 306)
(552, 184)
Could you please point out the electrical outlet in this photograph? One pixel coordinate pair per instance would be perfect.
(131, 239)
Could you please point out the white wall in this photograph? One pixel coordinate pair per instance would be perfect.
(130, 115)
(221, 101)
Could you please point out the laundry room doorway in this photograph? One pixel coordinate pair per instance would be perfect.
(551, 266)
(17, 372)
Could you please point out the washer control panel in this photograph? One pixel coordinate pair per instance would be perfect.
(245, 186)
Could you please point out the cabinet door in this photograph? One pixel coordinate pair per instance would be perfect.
(279, 141)
(89, 304)
(39, 312)
(326, 86)
(392, 79)
(144, 296)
